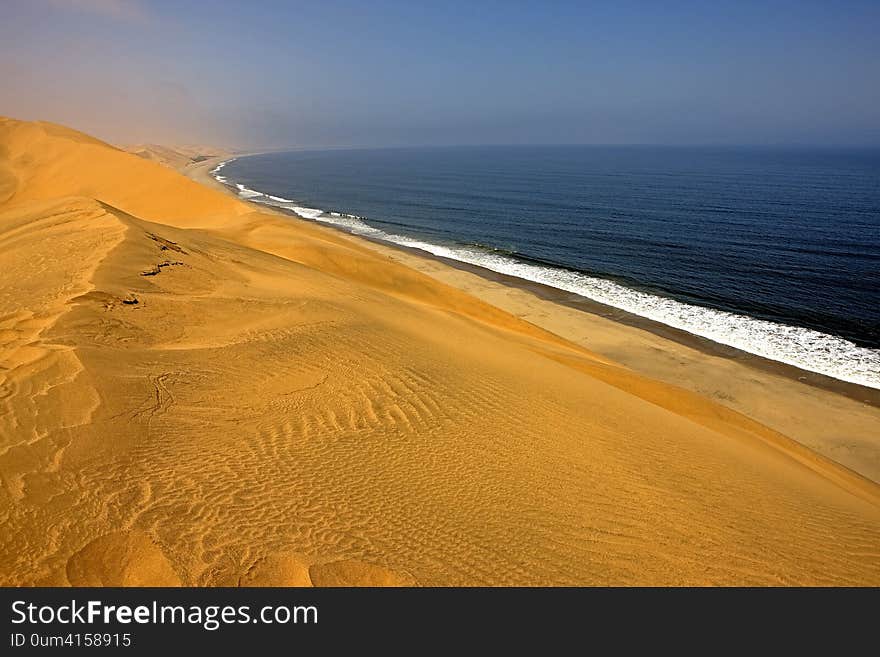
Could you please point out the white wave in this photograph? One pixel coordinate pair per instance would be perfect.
(221, 165)
(307, 213)
(246, 192)
(275, 201)
(353, 224)
(805, 348)
(278, 202)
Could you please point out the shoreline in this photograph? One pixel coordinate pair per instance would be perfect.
(259, 401)
(854, 391)
(836, 419)
(857, 392)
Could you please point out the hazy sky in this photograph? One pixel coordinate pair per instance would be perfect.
(275, 73)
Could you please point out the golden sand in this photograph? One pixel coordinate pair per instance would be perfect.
(194, 391)
(178, 157)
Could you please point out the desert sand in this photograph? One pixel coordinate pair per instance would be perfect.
(195, 391)
(178, 157)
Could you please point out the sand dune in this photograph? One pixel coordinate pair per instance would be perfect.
(178, 157)
(195, 392)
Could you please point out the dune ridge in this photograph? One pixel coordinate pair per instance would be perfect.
(194, 391)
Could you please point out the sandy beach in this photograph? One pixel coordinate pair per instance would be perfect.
(198, 391)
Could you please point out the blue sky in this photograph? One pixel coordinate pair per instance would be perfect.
(405, 73)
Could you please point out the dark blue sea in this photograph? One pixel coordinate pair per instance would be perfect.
(773, 251)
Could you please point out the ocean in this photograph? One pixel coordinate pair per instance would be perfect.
(773, 251)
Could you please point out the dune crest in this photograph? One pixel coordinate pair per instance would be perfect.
(262, 401)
